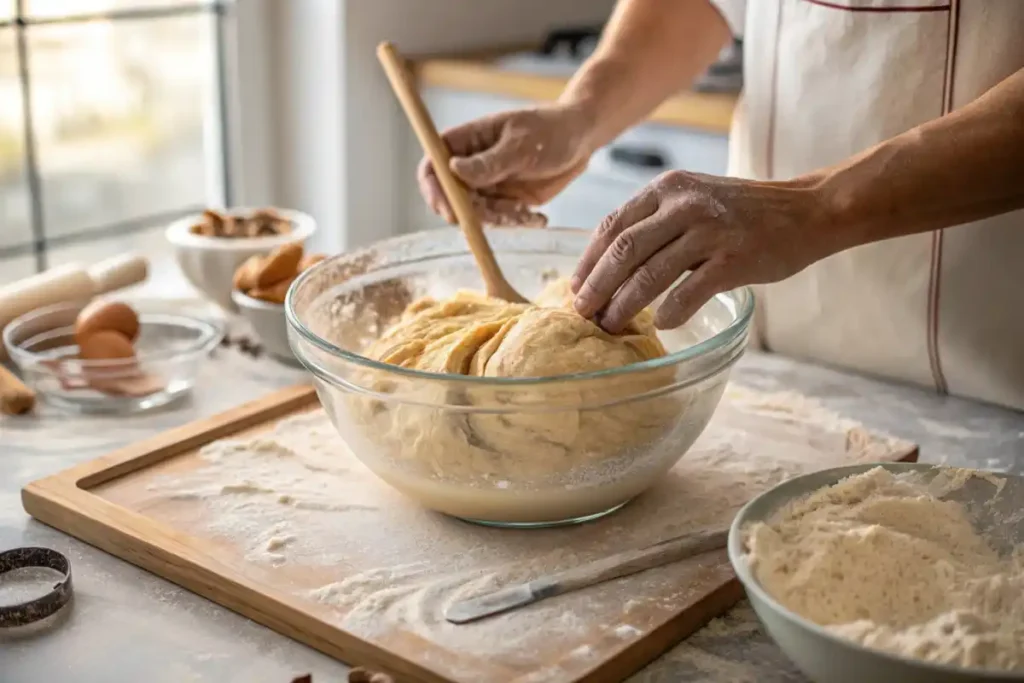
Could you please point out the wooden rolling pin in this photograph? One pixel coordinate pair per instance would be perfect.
(72, 282)
(15, 397)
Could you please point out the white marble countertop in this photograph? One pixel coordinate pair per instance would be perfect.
(128, 625)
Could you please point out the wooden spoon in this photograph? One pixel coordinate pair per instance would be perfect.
(409, 97)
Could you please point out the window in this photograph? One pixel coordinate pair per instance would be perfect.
(112, 124)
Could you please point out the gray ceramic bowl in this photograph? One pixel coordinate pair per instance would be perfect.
(267, 321)
(827, 658)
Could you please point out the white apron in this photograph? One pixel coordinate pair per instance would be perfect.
(826, 80)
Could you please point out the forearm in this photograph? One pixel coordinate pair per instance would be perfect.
(962, 167)
(649, 50)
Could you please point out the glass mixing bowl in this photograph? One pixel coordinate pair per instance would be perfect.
(503, 451)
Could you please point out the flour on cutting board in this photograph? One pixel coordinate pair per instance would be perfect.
(294, 497)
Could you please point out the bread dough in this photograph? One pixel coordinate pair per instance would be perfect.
(617, 430)
(880, 559)
(473, 334)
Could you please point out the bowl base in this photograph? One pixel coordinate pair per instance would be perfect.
(545, 525)
(106, 405)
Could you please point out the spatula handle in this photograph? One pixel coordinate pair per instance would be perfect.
(632, 561)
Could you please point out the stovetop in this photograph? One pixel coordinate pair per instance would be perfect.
(564, 50)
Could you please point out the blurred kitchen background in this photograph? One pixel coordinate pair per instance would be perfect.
(117, 116)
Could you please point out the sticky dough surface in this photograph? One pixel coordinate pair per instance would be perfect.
(472, 334)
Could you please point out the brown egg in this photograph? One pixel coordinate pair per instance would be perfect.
(105, 345)
(106, 315)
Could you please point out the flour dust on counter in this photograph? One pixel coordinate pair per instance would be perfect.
(303, 516)
(730, 648)
(87, 434)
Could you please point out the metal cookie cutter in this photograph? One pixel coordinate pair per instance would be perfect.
(47, 605)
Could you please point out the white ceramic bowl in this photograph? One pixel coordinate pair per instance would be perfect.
(209, 263)
(268, 322)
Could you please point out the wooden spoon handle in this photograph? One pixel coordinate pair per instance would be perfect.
(435, 148)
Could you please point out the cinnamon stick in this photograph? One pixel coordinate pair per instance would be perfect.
(15, 397)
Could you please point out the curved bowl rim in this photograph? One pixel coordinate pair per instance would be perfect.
(211, 333)
(177, 233)
(245, 301)
(721, 339)
(737, 558)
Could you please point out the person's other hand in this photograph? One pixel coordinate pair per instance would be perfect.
(726, 232)
(512, 162)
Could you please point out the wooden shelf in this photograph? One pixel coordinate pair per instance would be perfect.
(706, 111)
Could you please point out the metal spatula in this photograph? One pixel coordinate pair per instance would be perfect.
(613, 567)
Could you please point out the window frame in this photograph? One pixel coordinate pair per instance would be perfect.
(247, 79)
(239, 108)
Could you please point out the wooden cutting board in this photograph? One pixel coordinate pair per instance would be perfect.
(318, 549)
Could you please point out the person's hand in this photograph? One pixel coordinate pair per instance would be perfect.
(512, 162)
(726, 232)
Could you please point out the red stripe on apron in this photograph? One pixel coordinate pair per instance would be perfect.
(897, 8)
(935, 280)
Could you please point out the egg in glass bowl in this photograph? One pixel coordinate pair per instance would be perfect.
(109, 356)
(520, 451)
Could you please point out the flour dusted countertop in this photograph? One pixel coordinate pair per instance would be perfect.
(166, 635)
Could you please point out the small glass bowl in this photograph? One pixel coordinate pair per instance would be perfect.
(513, 452)
(170, 350)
